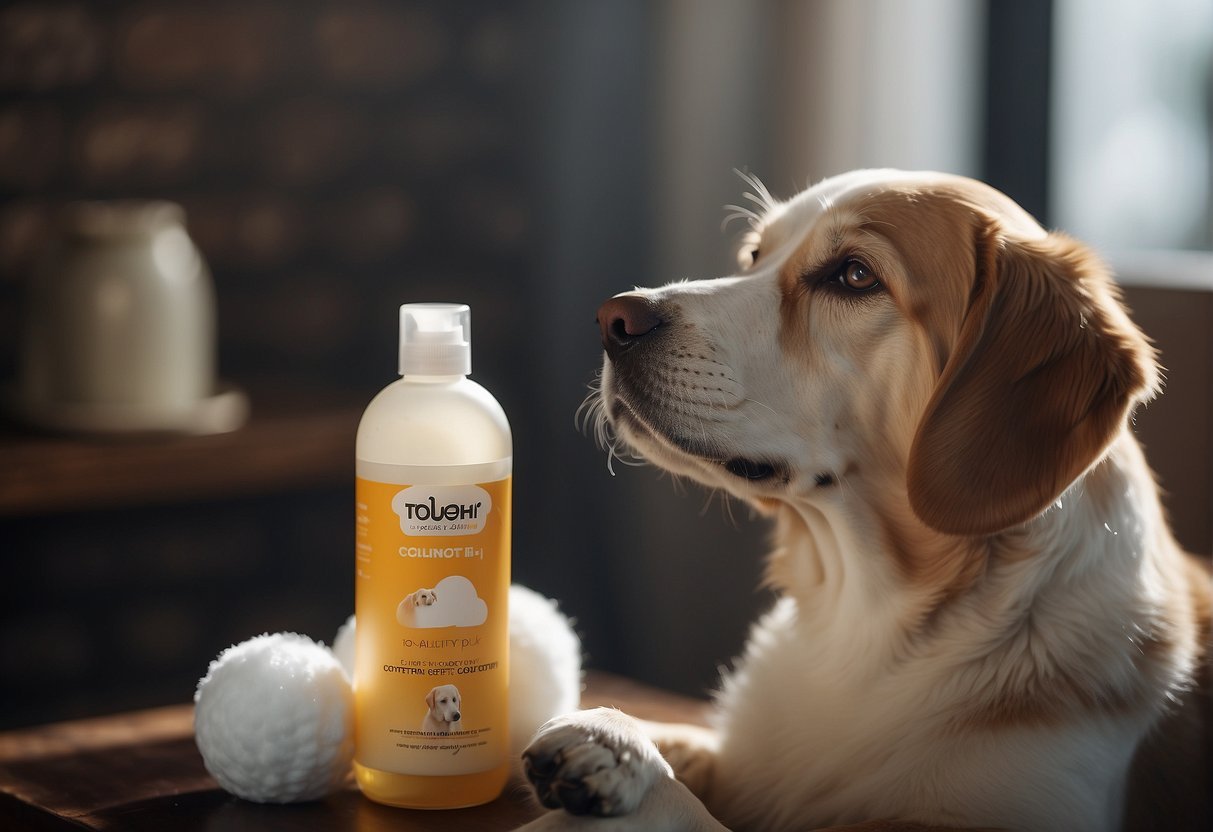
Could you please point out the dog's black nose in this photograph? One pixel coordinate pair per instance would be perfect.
(455, 717)
(625, 320)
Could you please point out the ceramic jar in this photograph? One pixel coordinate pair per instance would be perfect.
(119, 325)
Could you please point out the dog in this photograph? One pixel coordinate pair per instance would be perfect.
(421, 598)
(443, 714)
(983, 618)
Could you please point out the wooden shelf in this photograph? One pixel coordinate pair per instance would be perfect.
(279, 449)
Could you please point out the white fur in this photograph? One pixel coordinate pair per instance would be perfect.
(896, 754)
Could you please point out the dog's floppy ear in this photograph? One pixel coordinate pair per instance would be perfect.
(1044, 373)
(429, 699)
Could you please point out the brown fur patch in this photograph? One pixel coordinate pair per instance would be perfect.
(943, 565)
(1038, 363)
(932, 233)
(1046, 369)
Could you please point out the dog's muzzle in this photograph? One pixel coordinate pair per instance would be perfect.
(632, 325)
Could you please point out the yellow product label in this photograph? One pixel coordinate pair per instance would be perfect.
(431, 594)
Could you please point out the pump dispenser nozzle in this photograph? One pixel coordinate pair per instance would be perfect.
(435, 339)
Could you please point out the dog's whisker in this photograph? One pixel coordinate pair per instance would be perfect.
(590, 406)
(631, 459)
(678, 484)
(843, 486)
(762, 404)
(727, 507)
(591, 417)
(757, 200)
(764, 197)
(740, 213)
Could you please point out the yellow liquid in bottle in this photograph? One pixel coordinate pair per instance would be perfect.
(414, 791)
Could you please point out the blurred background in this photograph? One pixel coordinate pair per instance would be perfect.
(335, 159)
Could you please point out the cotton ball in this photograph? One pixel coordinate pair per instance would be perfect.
(545, 665)
(273, 719)
(343, 646)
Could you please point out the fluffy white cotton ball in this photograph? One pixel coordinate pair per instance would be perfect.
(343, 646)
(545, 663)
(273, 719)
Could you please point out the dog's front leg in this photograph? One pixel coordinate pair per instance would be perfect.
(602, 768)
(690, 750)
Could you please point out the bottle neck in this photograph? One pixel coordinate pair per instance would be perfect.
(414, 378)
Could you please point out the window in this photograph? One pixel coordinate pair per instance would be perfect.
(1132, 151)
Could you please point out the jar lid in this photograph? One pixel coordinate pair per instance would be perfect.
(110, 219)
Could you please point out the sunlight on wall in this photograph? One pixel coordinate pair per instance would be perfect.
(1131, 133)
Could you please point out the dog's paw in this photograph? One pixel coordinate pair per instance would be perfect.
(597, 762)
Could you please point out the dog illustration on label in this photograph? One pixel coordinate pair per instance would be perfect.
(452, 602)
(420, 598)
(443, 715)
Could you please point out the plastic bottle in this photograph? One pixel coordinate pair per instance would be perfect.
(432, 550)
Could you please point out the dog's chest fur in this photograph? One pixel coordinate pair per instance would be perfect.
(857, 722)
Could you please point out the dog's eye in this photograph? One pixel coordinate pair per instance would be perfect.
(856, 277)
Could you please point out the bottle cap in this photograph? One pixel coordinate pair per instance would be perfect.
(435, 339)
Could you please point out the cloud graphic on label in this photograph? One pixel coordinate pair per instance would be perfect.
(452, 602)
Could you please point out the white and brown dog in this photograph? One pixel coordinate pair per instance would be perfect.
(421, 598)
(443, 714)
(984, 620)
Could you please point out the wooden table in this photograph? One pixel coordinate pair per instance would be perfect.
(142, 771)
